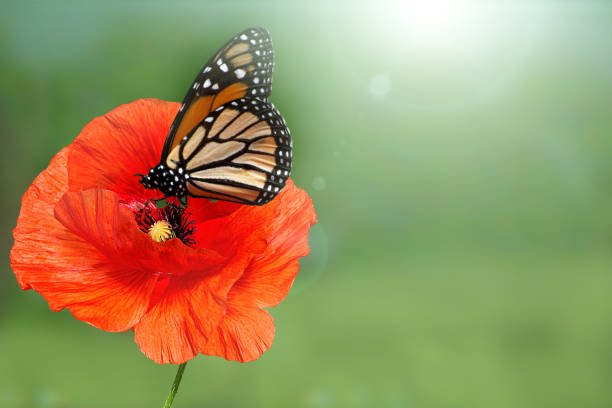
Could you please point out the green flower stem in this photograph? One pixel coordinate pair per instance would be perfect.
(175, 385)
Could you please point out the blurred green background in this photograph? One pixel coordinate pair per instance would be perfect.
(458, 155)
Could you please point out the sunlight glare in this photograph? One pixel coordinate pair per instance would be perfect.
(435, 20)
(431, 25)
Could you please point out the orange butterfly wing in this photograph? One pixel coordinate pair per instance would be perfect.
(242, 67)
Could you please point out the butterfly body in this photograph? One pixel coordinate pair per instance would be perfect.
(228, 142)
(169, 182)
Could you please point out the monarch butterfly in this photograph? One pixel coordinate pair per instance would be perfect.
(228, 142)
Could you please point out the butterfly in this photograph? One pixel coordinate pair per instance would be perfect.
(228, 141)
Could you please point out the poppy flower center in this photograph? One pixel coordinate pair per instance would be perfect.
(161, 231)
(163, 224)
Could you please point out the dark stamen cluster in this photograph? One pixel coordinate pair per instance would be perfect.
(175, 215)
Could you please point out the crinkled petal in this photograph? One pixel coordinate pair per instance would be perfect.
(246, 331)
(239, 231)
(178, 327)
(252, 228)
(269, 276)
(204, 210)
(243, 335)
(65, 269)
(37, 204)
(114, 147)
(98, 217)
(231, 324)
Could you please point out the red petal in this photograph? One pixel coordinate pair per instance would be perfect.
(37, 204)
(236, 232)
(204, 209)
(177, 328)
(229, 226)
(243, 335)
(269, 276)
(98, 217)
(246, 331)
(68, 271)
(189, 320)
(114, 147)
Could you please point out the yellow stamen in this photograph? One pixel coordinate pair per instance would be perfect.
(161, 231)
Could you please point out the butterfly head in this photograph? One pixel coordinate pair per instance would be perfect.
(171, 182)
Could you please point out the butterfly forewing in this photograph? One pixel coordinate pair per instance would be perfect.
(239, 152)
(242, 67)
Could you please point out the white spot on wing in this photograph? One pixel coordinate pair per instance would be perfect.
(240, 73)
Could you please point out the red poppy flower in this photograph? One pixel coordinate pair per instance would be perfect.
(85, 242)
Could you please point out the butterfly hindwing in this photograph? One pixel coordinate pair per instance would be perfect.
(242, 67)
(240, 152)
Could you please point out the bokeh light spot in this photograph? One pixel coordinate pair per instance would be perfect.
(380, 85)
(319, 183)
